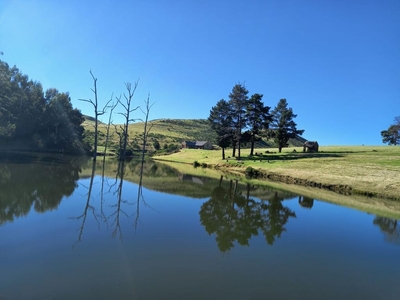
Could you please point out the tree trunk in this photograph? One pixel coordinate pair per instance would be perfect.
(252, 147)
(223, 153)
(239, 141)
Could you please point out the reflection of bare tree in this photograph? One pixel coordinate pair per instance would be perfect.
(118, 210)
(389, 228)
(88, 207)
(112, 107)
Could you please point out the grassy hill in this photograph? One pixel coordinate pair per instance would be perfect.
(166, 132)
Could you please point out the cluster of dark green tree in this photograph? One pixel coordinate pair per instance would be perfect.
(243, 119)
(36, 120)
(391, 136)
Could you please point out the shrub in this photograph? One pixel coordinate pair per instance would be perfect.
(251, 172)
(196, 164)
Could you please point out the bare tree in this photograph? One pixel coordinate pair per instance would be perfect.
(146, 131)
(97, 112)
(128, 110)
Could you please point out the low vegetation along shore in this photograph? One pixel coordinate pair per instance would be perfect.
(354, 170)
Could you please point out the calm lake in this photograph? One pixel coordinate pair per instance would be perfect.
(71, 230)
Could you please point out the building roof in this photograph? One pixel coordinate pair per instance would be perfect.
(200, 143)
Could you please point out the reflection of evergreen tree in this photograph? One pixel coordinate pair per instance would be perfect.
(41, 182)
(275, 216)
(233, 217)
(389, 228)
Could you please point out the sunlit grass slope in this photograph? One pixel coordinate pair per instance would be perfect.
(165, 131)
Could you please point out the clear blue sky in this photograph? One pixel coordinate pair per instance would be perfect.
(336, 62)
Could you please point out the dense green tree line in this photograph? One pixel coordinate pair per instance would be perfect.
(242, 119)
(31, 118)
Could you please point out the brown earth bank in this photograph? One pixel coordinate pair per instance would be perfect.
(337, 188)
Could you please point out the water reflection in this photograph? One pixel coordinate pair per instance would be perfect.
(114, 187)
(233, 217)
(234, 212)
(88, 207)
(306, 202)
(35, 181)
(389, 228)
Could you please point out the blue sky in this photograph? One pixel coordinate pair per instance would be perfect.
(336, 62)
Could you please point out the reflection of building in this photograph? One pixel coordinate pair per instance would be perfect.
(206, 145)
(184, 177)
(306, 202)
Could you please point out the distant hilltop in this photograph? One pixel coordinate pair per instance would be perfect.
(174, 131)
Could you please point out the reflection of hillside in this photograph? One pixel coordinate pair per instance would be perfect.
(35, 181)
(163, 178)
(159, 177)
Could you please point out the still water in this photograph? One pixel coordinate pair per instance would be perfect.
(71, 230)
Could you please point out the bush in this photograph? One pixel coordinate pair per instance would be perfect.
(196, 164)
(204, 165)
(251, 172)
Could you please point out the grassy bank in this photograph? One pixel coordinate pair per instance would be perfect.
(363, 170)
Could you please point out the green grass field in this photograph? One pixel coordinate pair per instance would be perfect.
(366, 170)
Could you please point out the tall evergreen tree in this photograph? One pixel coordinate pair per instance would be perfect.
(283, 126)
(392, 134)
(238, 100)
(220, 120)
(258, 118)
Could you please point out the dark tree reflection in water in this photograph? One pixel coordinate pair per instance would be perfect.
(88, 207)
(234, 217)
(35, 181)
(389, 228)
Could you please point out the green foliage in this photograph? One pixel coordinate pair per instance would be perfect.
(391, 136)
(220, 120)
(196, 164)
(156, 145)
(283, 126)
(238, 99)
(38, 121)
(258, 118)
(251, 172)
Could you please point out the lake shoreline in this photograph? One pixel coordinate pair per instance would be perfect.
(336, 177)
